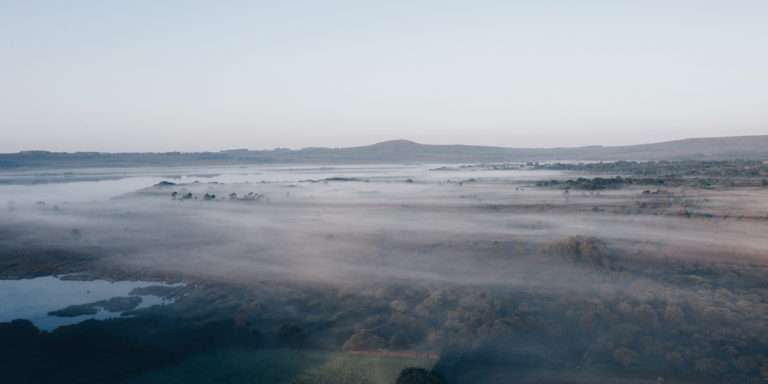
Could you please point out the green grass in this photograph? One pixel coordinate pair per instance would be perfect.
(236, 366)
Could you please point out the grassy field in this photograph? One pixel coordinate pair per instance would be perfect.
(279, 366)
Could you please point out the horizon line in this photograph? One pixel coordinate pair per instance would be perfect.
(382, 142)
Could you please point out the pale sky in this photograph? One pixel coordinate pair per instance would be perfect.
(209, 75)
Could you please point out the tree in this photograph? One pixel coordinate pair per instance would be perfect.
(419, 376)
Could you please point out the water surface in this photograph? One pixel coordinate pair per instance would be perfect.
(32, 299)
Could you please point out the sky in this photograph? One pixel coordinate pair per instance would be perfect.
(125, 76)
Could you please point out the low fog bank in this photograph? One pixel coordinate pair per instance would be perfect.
(351, 231)
(499, 280)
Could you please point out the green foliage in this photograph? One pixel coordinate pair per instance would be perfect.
(281, 366)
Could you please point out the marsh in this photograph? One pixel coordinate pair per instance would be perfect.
(479, 274)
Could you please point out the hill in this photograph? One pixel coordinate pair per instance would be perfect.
(404, 151)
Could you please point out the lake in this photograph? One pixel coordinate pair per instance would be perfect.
(32, 299)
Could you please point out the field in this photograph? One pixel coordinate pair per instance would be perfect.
(563, 273)
(283, 366)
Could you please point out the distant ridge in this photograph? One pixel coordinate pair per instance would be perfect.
(405, 151)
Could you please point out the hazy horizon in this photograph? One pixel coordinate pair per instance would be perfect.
(195, 76)
(378, 142)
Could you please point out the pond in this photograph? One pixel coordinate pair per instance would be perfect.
(33, 299)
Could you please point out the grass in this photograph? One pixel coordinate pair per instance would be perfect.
(236, 366)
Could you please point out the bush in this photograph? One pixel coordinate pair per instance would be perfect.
(419, 376)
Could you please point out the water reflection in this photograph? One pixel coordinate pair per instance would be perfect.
(33, 299)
